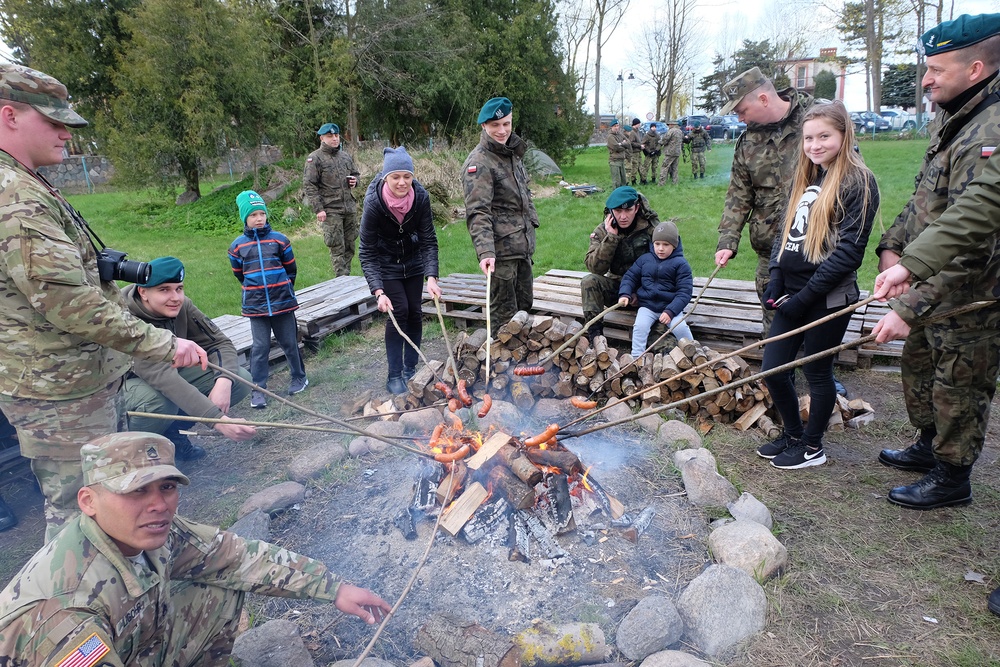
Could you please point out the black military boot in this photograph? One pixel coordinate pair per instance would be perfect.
(408, 372)
(919, 456)
(184, 449)
(596, 329)
(395, 385)
(944, 486)
(993, 602)
(7, 518)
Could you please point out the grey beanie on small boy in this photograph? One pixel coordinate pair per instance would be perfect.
(666, 231)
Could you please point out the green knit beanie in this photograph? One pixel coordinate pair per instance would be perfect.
(249, 201)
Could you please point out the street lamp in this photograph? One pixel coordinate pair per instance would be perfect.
(621, 81)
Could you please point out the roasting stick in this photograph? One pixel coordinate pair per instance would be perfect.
(235, 377)
(407, 588)
(489, 337)
(447, 343)
(763, 374)
(379, 415)
(662, 336)
(747, 348)
(572, 339)
(244, 422)
(415, 346)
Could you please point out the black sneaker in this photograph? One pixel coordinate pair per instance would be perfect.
(993, 603)
(799, 456)
(775, 447)
(258, 400)
(7, 518)
(296, 386)
(185, 450)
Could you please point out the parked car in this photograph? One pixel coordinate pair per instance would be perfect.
(687, 122)
(661, 127)
(866, 121)
(900, 120)
(725, 127)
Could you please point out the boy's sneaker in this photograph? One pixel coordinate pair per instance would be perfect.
(799, 456)
(297, 386)
(775, 447)
(258, 399)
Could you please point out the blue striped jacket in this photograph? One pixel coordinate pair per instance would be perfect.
(263, 262)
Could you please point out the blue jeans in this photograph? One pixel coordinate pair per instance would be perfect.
(285, 332)
(644, 320)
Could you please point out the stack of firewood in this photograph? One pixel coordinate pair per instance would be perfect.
(594, 370)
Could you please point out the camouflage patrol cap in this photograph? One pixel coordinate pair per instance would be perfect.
(124, 462)
(963, 32)
(40, 91)
(741, 86)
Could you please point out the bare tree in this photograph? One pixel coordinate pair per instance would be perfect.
(607, 14)
(680, 41)
(577, 22)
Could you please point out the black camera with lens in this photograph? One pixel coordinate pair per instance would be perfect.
(112, 265)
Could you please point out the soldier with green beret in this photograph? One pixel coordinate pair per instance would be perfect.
(623, 236)
(159, 388)
(131, 583)
(499, 212)
(619, 145)
(949, 368)
(763, 166)
(66, 339)
(327, 181)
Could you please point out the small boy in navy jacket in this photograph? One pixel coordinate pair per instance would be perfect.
(263, 262)
(662, 281)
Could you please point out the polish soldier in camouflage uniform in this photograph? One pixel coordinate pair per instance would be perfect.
(131, 583)
(700, 143)
(672, 143)
(328, 179)
(763, 166)
(651, 156)
(619, 152)
(499, 212)
(624, 235)
(949, 368)
(65, 335)
(635, 158)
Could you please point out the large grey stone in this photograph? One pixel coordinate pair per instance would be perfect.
(750, 547)
(367, 662)
(552, 409)
(275, 644)
(313, 462)
(503, 416)
(650, 423)
(651, 626)
(675, 433)
(254, 526)
(273, 499)
(704, 485)
(619, 410)
(749, 508)
(420, 421)
(364, 445)
(673, 659)
(721, 607)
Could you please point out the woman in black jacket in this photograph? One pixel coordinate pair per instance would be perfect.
(398, 249)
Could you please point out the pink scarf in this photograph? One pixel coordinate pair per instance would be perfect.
(398, 206)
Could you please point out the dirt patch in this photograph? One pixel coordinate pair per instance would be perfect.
(863, 579)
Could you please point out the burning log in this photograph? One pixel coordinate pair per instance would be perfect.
(518, 538)
(563, 459)
(485, 521)
(560, 503)
(463, 508)
(451, 483)
(546, 541)
(452, 642)
(518, 494)
(520, 464)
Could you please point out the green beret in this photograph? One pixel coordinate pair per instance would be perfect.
(328, 128)
(964, 31)
(495, 109)
(622, 196)
(613, 122)
(164, 270)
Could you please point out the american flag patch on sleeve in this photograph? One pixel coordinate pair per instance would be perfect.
(86, 654)
(988, 151)
(471, 169)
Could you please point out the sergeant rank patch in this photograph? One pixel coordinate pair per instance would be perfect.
(86, 654)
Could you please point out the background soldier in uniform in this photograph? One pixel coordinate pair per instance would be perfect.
(949, 368)
(763, 165)
(131, 583)
(498, 211)
(622, 237)
(700, 144)
(635, 158)
(651, 156)
(328, 179)
(672, 143)
(619, 147)
(65, 336)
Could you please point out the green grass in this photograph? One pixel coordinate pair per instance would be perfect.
(147, 224)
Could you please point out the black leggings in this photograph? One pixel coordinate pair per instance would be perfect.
(819, 373)
(405, 296)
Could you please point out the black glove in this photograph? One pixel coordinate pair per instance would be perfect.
(794, 308)
(775, 289)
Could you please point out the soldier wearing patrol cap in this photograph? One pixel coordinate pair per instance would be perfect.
(619, 152)
(499, 212)
(763, 166)
(327, 181)
(131, 583)
(673, 143)
(949, 368)
(65, 336)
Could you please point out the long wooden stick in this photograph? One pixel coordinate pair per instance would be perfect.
(489, 334)
(415, 346)
(447, 343)
(572, 339)
(246, 422)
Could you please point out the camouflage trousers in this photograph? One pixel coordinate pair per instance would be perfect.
(668, 170)
(697, 162)
(202, 628)
(340, 232)
(51, 434)
(597, 293)
(140, 397)
(618, 177)
(949, 372)
(511, 290)
(761, 277)
(634, 165)
(650, 165)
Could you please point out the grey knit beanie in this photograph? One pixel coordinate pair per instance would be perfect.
(396, 159)
(666, 231)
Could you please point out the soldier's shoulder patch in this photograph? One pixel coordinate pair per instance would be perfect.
(87, 654)
(988, 151)
(309, 159)
(472, 169)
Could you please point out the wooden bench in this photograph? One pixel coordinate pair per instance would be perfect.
(727, 317)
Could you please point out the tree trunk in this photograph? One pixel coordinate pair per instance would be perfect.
(189, 170)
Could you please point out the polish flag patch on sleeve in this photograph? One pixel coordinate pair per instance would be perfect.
(988, 151)
(88, 653)
(472, 169)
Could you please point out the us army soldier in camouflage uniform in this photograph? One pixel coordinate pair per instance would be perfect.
(131, 583)
(499, 212)
(700, 144)
(651, 156)
(635, 157)
(619, 145)
(65, 335)
(327, 181)
(763, 166)
(625, 233)
(949, 368)
(672, 143)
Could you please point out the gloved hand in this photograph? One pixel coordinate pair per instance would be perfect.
(794, 308)
(775, 288)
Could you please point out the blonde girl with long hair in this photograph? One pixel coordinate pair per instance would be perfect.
(813, 272)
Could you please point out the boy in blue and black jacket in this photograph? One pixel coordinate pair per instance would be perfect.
(263, 262)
